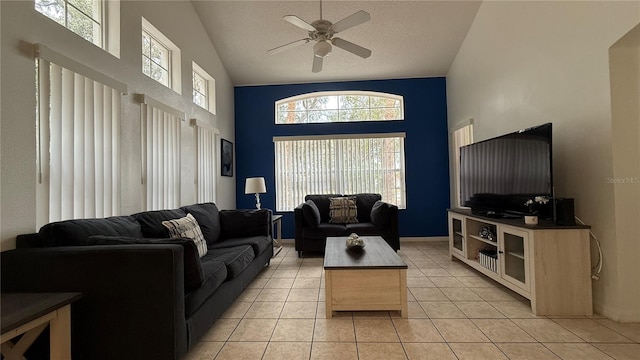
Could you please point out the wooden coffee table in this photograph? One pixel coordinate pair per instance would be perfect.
(373, 278)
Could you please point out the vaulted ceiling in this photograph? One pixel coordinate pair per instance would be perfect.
(407, 38)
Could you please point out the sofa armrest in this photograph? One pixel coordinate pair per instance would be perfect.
(133, 296)
(245, 223)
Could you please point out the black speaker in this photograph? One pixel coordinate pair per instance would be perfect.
(563, 211)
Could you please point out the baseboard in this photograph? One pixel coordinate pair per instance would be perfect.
(616, 314)
(413, 239)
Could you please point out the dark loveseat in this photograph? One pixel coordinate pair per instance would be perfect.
(144, 296)
(374, 217)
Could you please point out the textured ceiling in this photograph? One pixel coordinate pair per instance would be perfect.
(408, 39)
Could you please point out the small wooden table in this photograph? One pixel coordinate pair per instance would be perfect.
(30, 314)
(372, 278)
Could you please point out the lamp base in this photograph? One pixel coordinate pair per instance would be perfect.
(257, 201)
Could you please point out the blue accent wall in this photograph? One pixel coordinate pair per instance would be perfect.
(426, 145)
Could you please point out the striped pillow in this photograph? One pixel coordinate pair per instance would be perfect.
(343, 210)
(187, 227)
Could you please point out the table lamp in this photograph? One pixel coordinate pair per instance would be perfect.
(255, 185)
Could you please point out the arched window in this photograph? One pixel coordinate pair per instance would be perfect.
(339, 106)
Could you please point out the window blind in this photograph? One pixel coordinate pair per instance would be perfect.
(339, 166)
(160, 155)
(206, 162)
(461, 137)
(78, 145)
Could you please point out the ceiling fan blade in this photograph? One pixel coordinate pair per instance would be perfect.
(288, 46)
(351, 47)
(298, 22)
(351, 21)
(317, 64)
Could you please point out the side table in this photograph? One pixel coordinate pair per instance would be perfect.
(28, 314)
(276, 221)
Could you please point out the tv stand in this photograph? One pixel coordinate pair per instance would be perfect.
(546, 263)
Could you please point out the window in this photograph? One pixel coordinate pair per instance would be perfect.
(78, 142)
(161, 154)
(96, 21)
(206, 161)
(204, 89)
(461, 137)
(341, 164)
(160, 57)
(339, 106)
(83, 17)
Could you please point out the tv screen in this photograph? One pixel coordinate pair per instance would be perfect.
(497, 176)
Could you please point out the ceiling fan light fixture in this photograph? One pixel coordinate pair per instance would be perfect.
(322, 48)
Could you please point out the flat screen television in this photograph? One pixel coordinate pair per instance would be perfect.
(497, 176)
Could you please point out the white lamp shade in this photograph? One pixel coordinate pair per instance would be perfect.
(255, 185)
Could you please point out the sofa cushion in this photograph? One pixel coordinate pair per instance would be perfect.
(76, 232)
(322, 202)
(364, 203)
(363, 229)
(258, 243)
(311, 213)
(187, 227)
(193, 270)
(380, 214)
(151, 222)
(244, 223)
(208, 219)
(324, 230)
(235, 258)
(343, 210)
(215, 273)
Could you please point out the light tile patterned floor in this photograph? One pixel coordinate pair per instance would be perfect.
(454, 313)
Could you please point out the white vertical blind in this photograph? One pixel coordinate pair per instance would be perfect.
(343, 165)
(160, 156)
(461, 137)
(206, 164)
(78, 145)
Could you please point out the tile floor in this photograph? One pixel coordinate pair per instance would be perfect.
(454, 313)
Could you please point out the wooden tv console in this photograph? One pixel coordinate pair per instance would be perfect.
(546, 263)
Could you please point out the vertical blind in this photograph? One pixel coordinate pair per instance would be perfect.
(206, 163)
(339, 166)
(160, 155)
(78, 145)
(461, 137)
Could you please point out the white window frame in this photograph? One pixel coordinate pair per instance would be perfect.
(332, 181)
(174, 61)
(338, 109)
(108, 23)
(210, 88)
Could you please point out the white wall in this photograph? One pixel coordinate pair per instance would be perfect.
(527, 63)
(21, 25)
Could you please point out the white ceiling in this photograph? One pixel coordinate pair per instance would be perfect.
(408, 39)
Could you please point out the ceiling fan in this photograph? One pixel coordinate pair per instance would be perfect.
(322, 32)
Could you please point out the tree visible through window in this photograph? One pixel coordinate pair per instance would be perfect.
(83, 17)
(339, 106)
(155, 59)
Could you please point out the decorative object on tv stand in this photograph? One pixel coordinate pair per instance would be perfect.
(354, 242)
(255, 185)
(486, 232)
(532, 219)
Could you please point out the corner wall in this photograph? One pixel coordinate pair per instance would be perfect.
(527, 63)
(22, 25)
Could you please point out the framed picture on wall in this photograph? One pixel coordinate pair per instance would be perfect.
(226, 158)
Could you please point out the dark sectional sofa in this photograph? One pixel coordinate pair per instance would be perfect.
(143, 296)
(374, 217)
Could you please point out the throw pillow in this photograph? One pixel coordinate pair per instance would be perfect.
(343, 210)
(311, 214)
(187, 227)
(380, 214)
